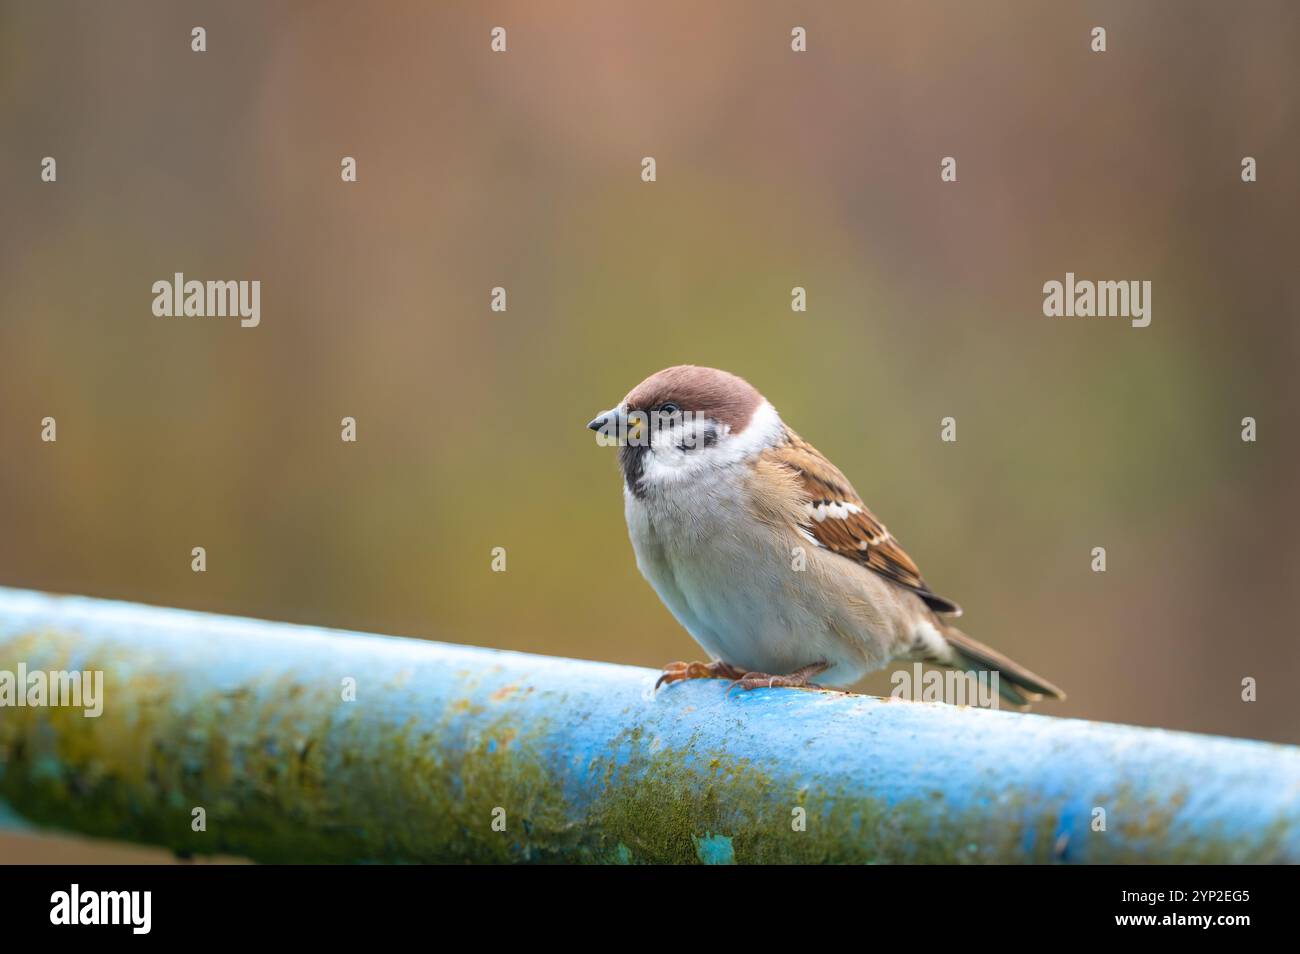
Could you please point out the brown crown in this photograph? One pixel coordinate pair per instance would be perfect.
(715, 394)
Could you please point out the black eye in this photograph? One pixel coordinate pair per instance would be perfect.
(669, 408)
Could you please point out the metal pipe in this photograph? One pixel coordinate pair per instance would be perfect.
(454, 753)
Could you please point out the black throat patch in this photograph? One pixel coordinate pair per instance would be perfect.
(632, 459)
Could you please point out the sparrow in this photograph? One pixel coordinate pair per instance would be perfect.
(763, 551)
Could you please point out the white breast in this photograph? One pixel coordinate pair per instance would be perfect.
(731, 581)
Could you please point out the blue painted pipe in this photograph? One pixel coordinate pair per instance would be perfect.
(279, 742)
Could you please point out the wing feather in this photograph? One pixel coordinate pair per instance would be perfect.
(839, 521)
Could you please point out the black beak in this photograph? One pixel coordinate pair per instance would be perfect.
(602, 419)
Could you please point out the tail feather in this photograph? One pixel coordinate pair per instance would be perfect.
(1016, 684)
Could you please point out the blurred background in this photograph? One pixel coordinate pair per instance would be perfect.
(775, 169)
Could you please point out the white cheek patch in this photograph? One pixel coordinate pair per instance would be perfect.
(667, 464)
(687, 437)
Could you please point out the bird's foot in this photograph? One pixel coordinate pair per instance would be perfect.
(795, 680)
(678, 671)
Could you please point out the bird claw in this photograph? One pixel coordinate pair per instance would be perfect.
(680, 671)
(795, 680)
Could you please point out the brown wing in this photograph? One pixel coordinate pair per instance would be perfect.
(838, 520)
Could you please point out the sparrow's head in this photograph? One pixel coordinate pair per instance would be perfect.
(685, 422)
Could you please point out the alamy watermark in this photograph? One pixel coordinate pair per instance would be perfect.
(179, 298)
(56, 688)
(950, 686)
(1088, 299)
(688, 430)
(75, 906)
